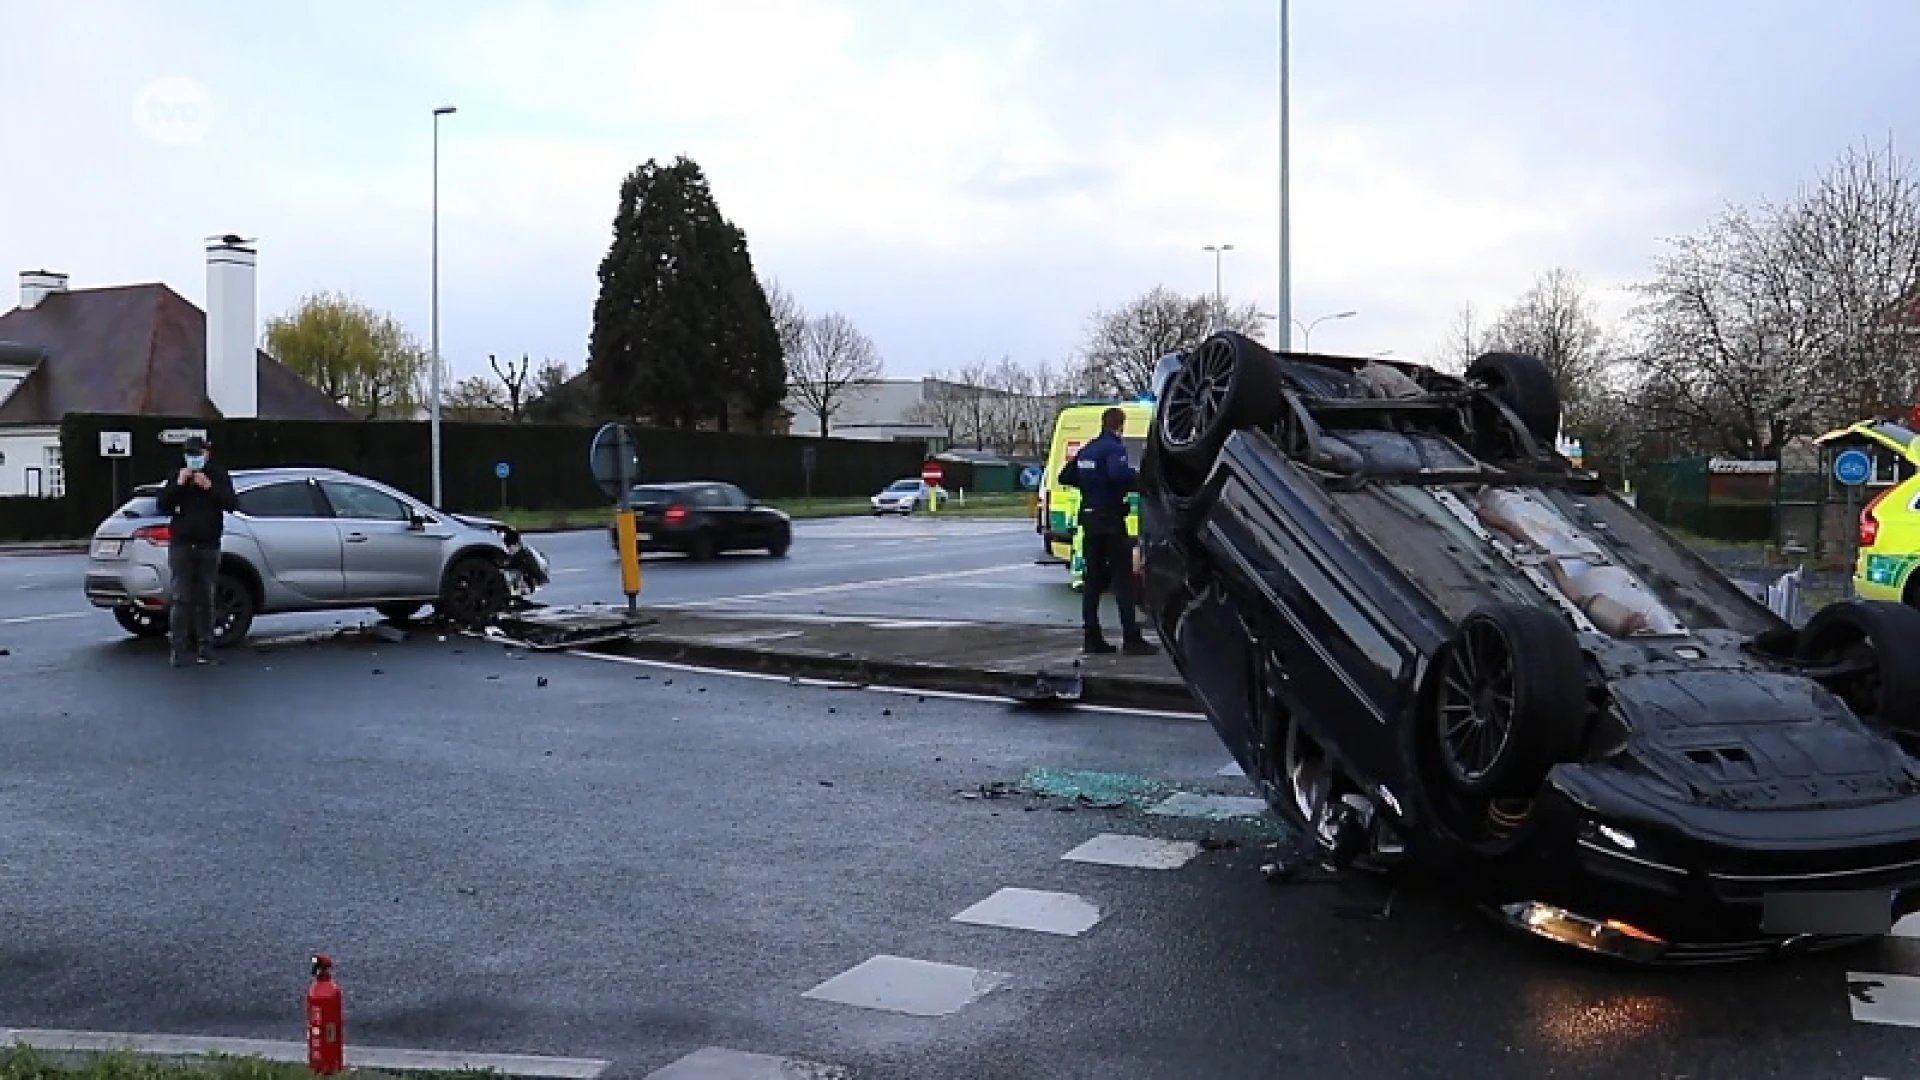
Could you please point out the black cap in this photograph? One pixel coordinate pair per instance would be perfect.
(194, 445)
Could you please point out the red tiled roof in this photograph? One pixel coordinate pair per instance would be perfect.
(134, 349)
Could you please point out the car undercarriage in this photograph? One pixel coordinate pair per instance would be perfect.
(1432, 642)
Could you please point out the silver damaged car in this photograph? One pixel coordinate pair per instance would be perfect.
(313, 540)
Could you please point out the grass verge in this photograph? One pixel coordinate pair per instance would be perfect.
(25, 1063)
(997, 505)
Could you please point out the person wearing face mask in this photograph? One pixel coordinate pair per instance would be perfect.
(195, 497)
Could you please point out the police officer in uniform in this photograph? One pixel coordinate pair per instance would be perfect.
(1104, 476)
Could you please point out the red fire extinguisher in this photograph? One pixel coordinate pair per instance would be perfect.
(326, 1022)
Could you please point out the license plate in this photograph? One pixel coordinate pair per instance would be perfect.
(1864, 911)
(107, 549)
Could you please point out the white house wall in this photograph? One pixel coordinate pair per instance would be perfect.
(23, 460)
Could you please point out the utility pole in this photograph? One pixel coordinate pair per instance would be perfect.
(434, 408)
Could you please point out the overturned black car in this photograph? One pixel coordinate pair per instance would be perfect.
(1434, 643)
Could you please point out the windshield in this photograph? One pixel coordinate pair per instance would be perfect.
(905, 485)
(653, 494)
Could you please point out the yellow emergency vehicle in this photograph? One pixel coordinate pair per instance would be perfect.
(1057, 513)
(1890, 522)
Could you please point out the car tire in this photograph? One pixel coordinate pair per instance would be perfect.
(233, 610)
(397, 613)
(141, 622)
(1530, 657)
(1228, 383)
(1885, 634)
(702, 547)
(778, 549)
(474, 593)
(1523, 384)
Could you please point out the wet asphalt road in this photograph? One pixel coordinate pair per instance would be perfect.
(891, 567)
(621, 866)
(636, 863)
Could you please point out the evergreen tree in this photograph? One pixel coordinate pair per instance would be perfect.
(755, 362)
(681, 326)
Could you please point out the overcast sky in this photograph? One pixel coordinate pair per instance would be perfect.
(963, 180)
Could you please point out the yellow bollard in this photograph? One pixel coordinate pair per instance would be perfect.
(629, 534)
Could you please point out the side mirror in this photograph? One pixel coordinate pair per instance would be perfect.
(417, 520)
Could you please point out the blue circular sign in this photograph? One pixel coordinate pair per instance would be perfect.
(1852, 467)
(502, 471)
(1030, 478)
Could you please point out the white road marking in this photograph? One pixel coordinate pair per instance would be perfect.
(1134, 852)
(1034, 909)
(571, 570)
(370, 1057)
(1211, 807)
(913, 987)
(905, 691)
(1231, 768)
(715, 1063)
(17, 619)
(855, 586)
(1884, 999)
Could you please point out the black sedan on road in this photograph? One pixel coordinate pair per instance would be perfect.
(702, 519)
(1431, 641)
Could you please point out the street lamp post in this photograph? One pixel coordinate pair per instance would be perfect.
(1285, 321)
(434, 407)
(1306, 332)
(1219, 298)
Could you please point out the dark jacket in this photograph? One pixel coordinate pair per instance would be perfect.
(1102, 473)
(196, 513)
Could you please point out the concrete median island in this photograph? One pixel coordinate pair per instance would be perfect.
(920, 654)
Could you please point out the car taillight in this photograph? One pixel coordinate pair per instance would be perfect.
(160, 535)
(675, 515)
(1870, 525)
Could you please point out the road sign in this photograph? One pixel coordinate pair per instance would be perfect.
(615, 459)
(502, 471)
(176, 436)
(116, 444)
(1030, 477)
(931, 472)
(1852, 467)
(809, 457)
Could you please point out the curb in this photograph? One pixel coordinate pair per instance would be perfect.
(1113, 691)
(48, 547)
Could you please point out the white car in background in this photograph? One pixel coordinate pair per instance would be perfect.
(903, 497)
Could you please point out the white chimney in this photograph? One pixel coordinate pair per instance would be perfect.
(37, 285)
(233, 367)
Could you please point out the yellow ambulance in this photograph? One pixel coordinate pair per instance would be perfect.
(1057, 513)
(1890, 522)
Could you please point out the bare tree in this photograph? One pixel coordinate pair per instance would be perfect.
(513, 379)
(1728, 360)
(943, 404)
(1124, 345)
(1853, 241)
(834, 359)
(789, 318)
(1466, 339)
(1555, 321)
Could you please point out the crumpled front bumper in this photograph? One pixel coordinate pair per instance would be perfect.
(527, 570)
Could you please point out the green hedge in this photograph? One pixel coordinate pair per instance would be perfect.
(549, 466)
(27, 518)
